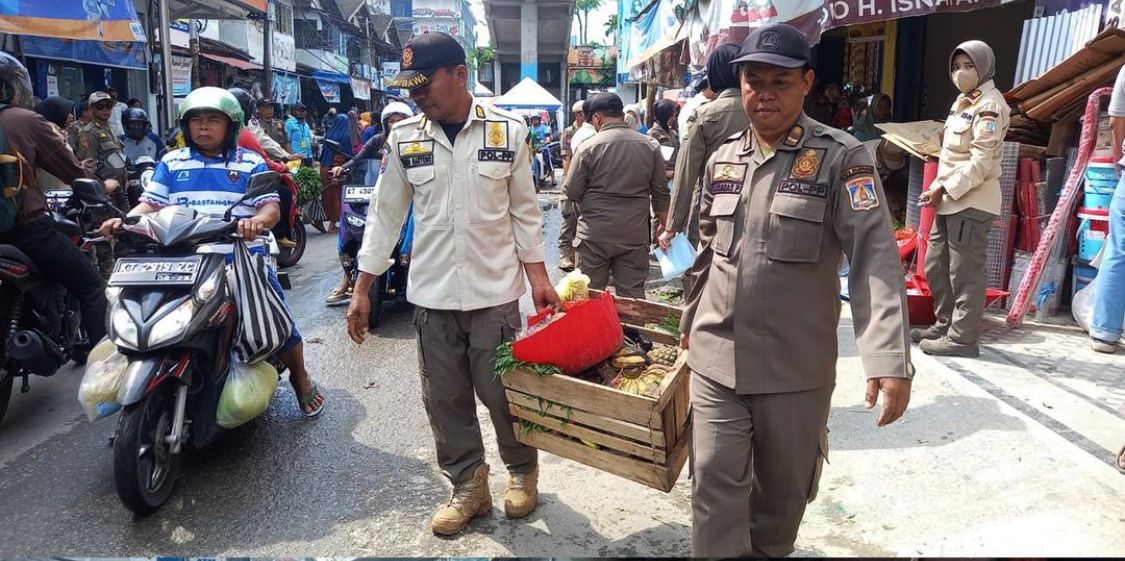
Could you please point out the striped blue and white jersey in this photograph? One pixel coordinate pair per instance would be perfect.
(184, 177)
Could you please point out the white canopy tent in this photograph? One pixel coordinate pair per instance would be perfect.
(528, 97)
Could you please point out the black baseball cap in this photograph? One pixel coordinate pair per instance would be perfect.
(604, 101)
(299, 106)
(264, 102)
(778, 44)
(423, 55)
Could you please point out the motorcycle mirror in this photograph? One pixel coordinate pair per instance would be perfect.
(90, 191)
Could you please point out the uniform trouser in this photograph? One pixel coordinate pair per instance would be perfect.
(106, 252)
(60, 260)
(628, 264)
(1109, 296)
(955, 268)
(756, 462)
(569, 228)
(455, 351)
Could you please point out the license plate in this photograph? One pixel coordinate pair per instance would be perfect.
(163, 271)
(358, 193)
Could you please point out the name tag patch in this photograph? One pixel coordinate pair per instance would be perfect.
(417, 161)
(861, 192)
(802, 188)
(496, 155)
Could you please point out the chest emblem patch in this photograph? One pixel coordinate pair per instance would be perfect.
(496, 135)
(861, 192)
(807, 165)
(233, 176)
(415, 148)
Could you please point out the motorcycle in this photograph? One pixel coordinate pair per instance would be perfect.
(40, 322)
(542, 167)
(172, 314)
(389, 289)
(140, 172)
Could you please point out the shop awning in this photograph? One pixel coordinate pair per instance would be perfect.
(216, 9)
(113, 22)
(235, 62)
(325, 76)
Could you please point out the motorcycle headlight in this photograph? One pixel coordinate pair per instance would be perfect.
(172, 325)
(356, 222)
(208, 287)
(124, 330)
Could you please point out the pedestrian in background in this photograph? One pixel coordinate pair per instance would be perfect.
(273, 128)
(1109, 293)
(714, 123)
(135, 103)
(119, 108)
(341, 134)
(569, 226)
(703, 94)
(82, 117)
(618, 181)
(59, 111)
(666, 114)
(966, 193)
(781, 203)
(478, 232)
(98, 143)
(299, 133)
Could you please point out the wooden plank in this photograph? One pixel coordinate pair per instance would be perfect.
(676, 463)
(658, 336)
(640, 433)
(580, 394)
(680, 372)
(640, 312)
(641, 452)
(646, 474)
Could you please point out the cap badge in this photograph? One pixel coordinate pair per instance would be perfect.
(806, 166)
(480, 112)
(407, 58)
(770, 40)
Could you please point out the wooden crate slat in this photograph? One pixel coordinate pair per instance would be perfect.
(646, 474)
(676, 462)
(657, 336)
(644, 453)
(640, 433)
(679, 375)
(580, 394)
(640, 312)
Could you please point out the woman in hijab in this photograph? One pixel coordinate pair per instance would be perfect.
(878, 111)
(666, 113)
(356, 131)
(59, 111)
(340, 132)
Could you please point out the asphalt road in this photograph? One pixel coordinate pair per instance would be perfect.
(976, 467)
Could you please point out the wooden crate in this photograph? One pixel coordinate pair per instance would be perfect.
(640, 438)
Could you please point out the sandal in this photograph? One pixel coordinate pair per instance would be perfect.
(1117, 462)
(307, 400)
(337, 297)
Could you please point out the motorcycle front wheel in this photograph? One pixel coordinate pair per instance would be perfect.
(376, 297)
(144, 467)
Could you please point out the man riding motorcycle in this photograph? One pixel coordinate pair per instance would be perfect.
(139, 140)
(208, 176)
(39, 145)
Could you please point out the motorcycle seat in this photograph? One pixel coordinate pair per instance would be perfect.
(68, 228)
(11, 253)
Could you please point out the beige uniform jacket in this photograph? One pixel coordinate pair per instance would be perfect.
(564, 140)
(476, 214)
(763, 312)
(669, 140)
(98, 142)
(274, 150)
(972, 150)
(615, 177)
(714, 122)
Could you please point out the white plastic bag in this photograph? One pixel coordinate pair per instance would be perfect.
(246, 394)
(1082, 306)
(105, 371)
(678, 259)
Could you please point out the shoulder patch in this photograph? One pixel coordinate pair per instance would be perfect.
(861, 193)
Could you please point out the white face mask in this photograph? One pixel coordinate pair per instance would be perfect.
(966, 80)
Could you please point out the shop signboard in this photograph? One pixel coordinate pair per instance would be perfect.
(436, 9)
(850, 12)
(591, 65)
(444, 25)
(181, 75)
(91, 21)
(129, 54)
(361, 89)
(284, 53)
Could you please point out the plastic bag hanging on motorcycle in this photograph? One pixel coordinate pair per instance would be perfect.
(264, 322)
(105, 371)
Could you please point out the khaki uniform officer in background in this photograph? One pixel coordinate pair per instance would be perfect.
(477, 232)
(615, 178)
(782, 203)
(967, 195)
(569, 227)
(97, 142)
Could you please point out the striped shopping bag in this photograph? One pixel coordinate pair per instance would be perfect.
(264, 321)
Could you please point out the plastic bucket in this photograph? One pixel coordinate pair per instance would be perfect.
(1092, 231)
(1083, 276)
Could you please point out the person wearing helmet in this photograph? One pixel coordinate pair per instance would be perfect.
(374, 149)
(300, 134)
(40, 146)
(139, 140)
(209, 175)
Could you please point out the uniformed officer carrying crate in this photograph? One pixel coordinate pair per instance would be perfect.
(782, 203)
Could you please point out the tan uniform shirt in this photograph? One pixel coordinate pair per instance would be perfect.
(764, 309)
(98, 142)
(273, 150)
(564, 140)
(275, 129)
(714, 122)
(615, 178)
(668, 140)
(971, 152)
(476, 214)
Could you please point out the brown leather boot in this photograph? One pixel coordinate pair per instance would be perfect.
(522, 495)
(469, 500)
(566, 259)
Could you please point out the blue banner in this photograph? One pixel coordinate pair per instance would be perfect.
(330, 91)
(122, 55)
(286, 89)
(94, 20)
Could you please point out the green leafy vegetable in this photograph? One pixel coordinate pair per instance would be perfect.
(504, 362)
(309, 186)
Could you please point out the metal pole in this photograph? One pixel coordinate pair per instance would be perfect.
(196, 78)
(267, 57)
(166, 60)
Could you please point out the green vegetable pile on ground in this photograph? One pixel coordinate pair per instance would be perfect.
(308, 184)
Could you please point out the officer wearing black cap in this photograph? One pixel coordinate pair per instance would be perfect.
(465, 168)
(273, 128)
(615, 178)
(783, 201)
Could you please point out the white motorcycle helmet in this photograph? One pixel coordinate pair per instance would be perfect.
(395, 108)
